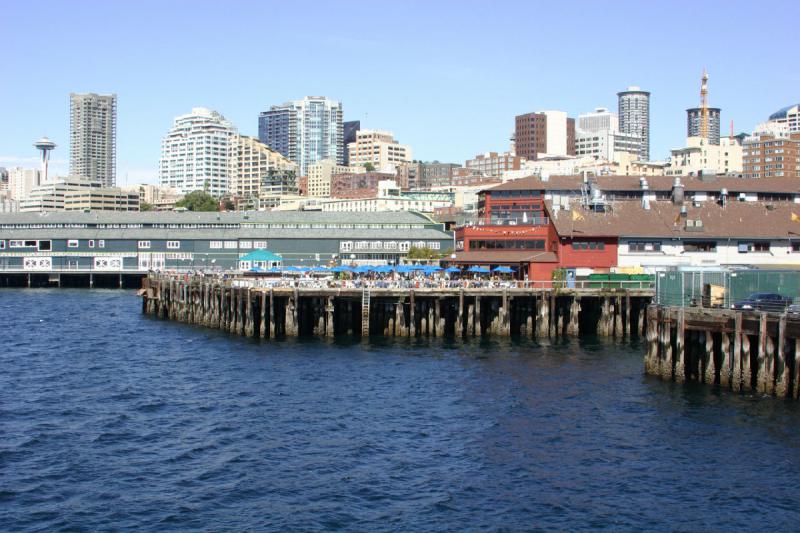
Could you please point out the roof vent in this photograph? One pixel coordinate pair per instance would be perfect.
(684, 211)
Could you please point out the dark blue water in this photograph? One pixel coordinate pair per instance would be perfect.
(113, 420)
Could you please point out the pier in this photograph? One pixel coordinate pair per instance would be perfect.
(749, 352)
(246, 307)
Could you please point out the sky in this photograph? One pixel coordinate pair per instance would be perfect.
(447, 77)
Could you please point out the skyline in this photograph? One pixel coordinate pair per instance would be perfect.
(449, 104)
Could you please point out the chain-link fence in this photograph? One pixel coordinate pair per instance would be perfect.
(762, 290)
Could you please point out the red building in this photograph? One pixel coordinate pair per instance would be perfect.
(517, 228)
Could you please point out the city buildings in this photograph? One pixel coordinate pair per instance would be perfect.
(93, 137)
(198, 153)
(159, 197)
(320, 174)
(389, 197)
(599, 120)
(21, 181)
(634, 117)
(789, 117)
(493, 164)
(76, 193)
(305, 131)
(350, 129)
(544, 133)
(694, 118)
(771, 155)
(357, 185)
(254, 164)
(378, 149)
(606, 145)
(702, 156)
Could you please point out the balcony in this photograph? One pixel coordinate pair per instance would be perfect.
(521, 220)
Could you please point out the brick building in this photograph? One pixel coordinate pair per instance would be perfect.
(544, 132)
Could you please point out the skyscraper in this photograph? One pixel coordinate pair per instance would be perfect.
(198, 153)
(93, 137)
(694, 119)
(634, 117)
(351, 129)
(305, 131)
(544, 133)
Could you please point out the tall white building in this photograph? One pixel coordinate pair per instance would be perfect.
(634, 117)
(21, 182)
(305, 131)
(606, 145)
(378, 148)
(601, 119)
(197, 153)
(93, 137)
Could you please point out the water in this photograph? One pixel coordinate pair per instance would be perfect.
(113, 420)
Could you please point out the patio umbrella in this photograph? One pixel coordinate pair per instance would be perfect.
(257, 269)
(341, 268)
(383, 269)
(362, 269)
(452, 270)
(405, 269)
(503, 270)
(319, 268)
(478, 269)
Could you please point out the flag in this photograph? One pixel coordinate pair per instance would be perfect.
(577, 216)
(795, 217)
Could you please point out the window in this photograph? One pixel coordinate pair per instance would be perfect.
(588, 245)
(72, 243)
(91, 244)
(45, 246)
(230, 245)
(215, 245)
(795, 246)
(434, 245)
(145, 245)
(700, 246)
(30, 244)
(245, 245)
(2, 245)
(345, 246)
(101, 243)
(644, 246)
(259, 244)
(173, 245)
(753, 247)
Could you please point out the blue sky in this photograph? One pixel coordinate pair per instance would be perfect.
(446, 77)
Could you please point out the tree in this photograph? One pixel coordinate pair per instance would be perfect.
(369, 166)
(198, 201)
(422, 253)
(229, 205)
(144, 206)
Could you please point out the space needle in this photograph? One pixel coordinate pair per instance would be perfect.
(45, 146)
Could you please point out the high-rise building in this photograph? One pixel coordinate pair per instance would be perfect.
(493, 164)
(351, 128)
(789, 117)
(253, 164)
(379, 149)
(544, 133)
(601, 119)
(197, 153)
(694, 120)
(305, 131)
(634, 117)
(606, 144)
(21, 182)
(767, 155)
(93, 137)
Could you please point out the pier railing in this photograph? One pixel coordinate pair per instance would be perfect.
(312, 283)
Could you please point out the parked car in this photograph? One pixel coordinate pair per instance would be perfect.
(794, 310)
(763, 301)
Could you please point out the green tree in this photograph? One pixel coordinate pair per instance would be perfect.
(369, 166)
(422, 253)
(229, 205)
(198, 201)
(144, 206)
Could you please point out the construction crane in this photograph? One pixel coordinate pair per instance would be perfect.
(704, 106)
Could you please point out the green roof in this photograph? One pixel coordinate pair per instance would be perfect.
(261, 255)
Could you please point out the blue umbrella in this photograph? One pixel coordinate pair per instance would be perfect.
(319, 268)
(341, 268)
(257, 269)
(362, 269)
(452, 270)
(504, 270)
(383, 269)
(434, 268)
(478, 269)
(405, 269)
